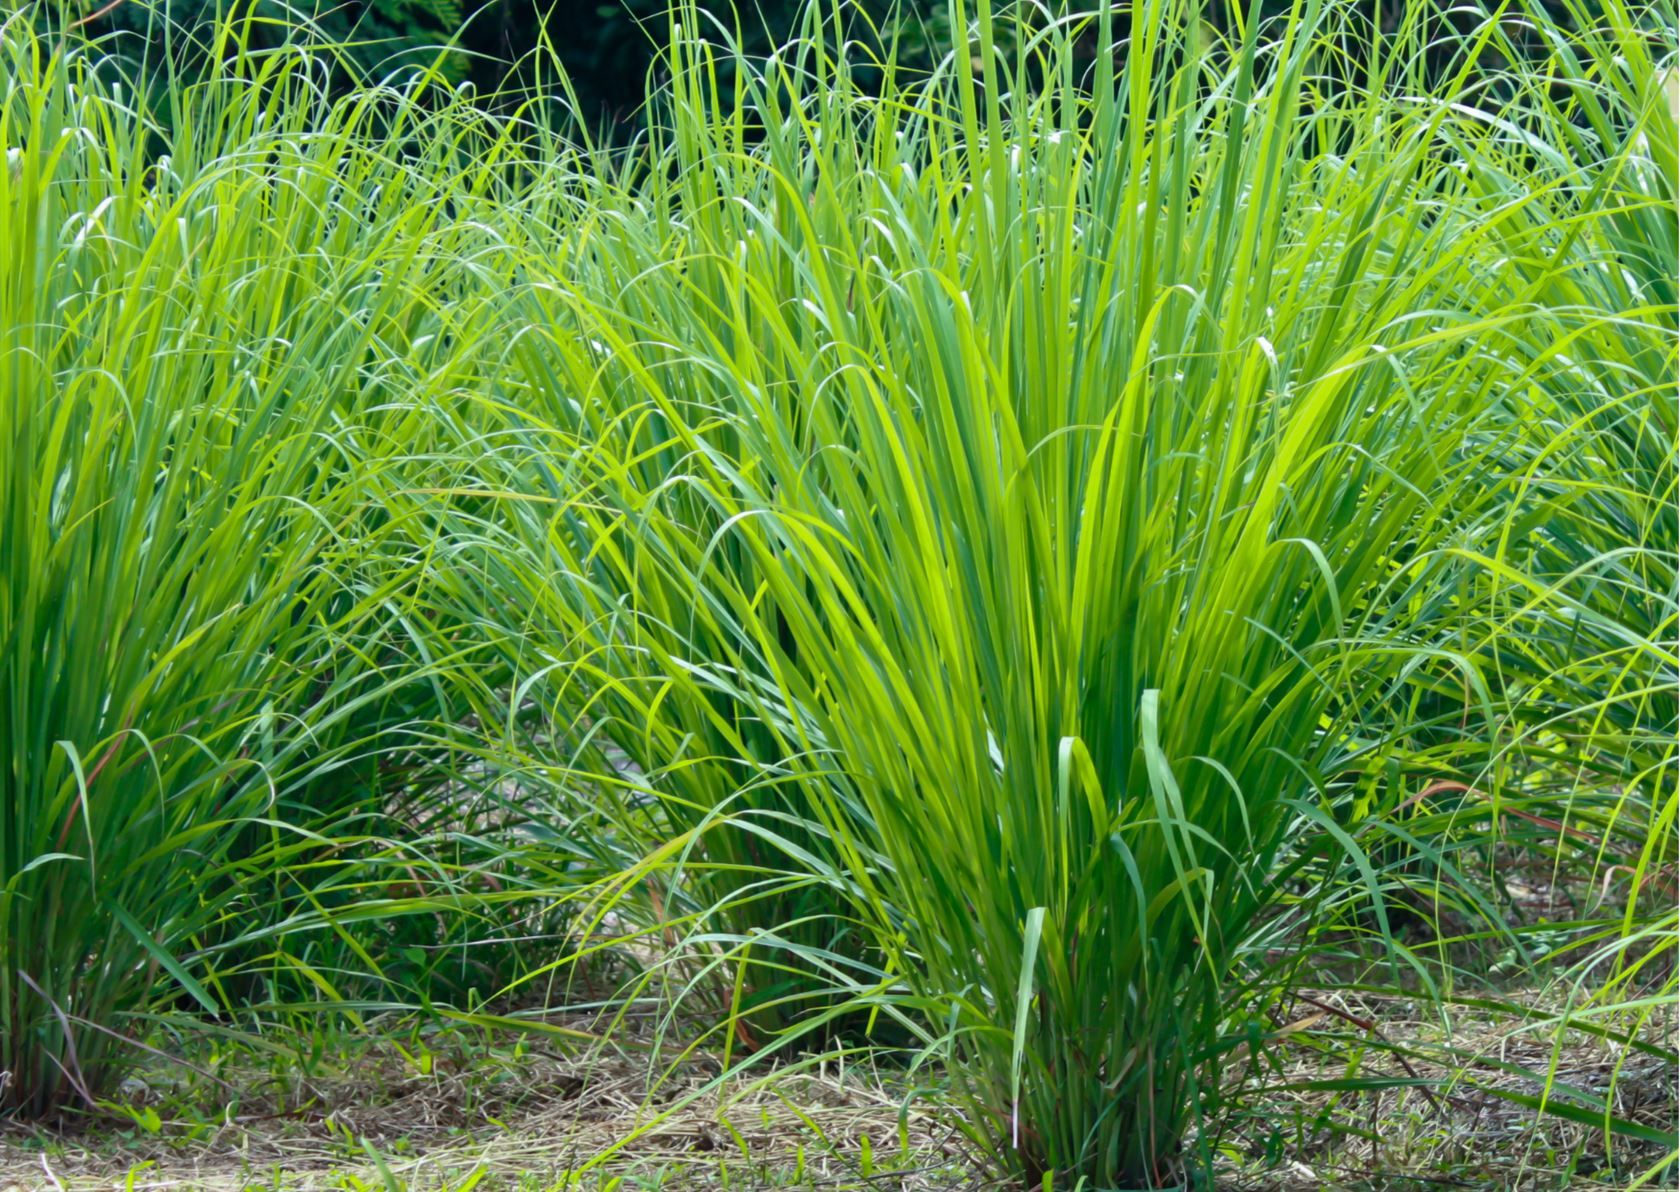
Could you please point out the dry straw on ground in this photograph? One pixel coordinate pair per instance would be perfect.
(535, 1119)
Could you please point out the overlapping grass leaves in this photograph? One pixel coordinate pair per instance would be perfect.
(213, 632)
(1015, 490)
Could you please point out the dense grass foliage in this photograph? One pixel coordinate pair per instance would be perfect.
(1023, 564)
(1583, 593)
(1036, 487)
(208, 645)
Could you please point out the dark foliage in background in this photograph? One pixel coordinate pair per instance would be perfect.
(607, 47)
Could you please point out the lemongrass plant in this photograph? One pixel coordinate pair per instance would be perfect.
(1038, 473)
(721, 858)
(1582, 602)
(214, 315)
(945, 546)
(1583, 575)
(1573, 577)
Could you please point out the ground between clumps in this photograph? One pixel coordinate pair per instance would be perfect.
(527, 1119)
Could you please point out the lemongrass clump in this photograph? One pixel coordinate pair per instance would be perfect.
(216, 321)
(1035, 473)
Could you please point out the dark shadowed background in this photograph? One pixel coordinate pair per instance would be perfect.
(607, 47)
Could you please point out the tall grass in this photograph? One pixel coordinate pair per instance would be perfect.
(1033, 479)
(210, 318)
(982, 551)
(1584, 573)
(1581, 579)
